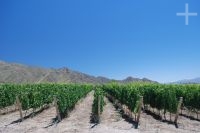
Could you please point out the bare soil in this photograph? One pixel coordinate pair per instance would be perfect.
(8, 109)
(148, 124)
(78, 121)
(112, 122)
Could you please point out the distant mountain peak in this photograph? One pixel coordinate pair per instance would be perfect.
(189, 81)
(130, 79)
(64, 69)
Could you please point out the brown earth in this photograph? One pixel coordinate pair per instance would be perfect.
(78, 121)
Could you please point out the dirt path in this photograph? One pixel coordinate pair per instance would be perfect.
(112, 121)
(78, 120)
(149, 124)
(35, 124)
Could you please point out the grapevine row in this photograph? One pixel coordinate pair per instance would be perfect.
(163, 97)
(98, 104)
(36, 95)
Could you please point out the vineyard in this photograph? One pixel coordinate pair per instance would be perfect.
(167, 102)
(35, 96)
(163, 98)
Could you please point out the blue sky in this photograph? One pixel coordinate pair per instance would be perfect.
(112, 38)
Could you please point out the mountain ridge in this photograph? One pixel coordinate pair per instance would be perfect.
(19, 73)
(189, 81)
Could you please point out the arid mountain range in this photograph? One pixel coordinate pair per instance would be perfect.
(18, 73)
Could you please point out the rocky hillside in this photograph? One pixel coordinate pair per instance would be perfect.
(18, 73)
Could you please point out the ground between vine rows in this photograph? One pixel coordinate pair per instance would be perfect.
(79, 121)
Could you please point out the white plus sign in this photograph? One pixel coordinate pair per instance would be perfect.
(186, 14)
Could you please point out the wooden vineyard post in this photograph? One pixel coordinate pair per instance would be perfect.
(99, 107)
(125, 109)
(19, 106)
(178, 109)
(139, 110)
(57, 109)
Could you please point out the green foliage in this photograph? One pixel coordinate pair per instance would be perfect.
(190, 94)
(69, 95)
(160, 96)
(98, 94)
(7, 95)
(127, 94)
(98, 100)
(37, 95)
